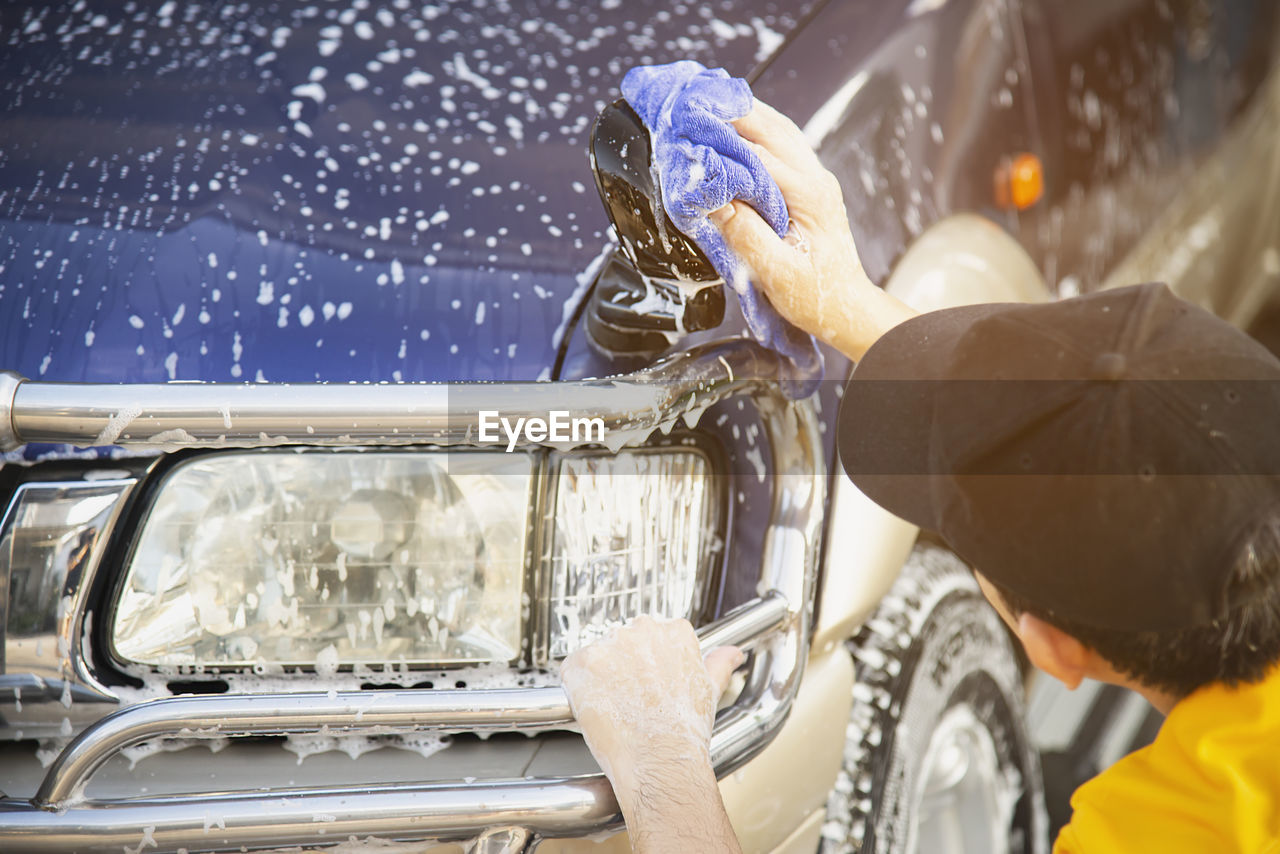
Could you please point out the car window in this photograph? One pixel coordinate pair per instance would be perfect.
(1131, 95)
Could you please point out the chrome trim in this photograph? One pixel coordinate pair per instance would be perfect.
(565, 806)
(775, 627)
(258, 414)
(342, 712)
(58, 682)
(502, 840)
(9, 382)
(789, 569)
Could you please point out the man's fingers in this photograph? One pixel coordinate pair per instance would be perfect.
(721, 662)
(790, 181)
(750, 237)
(811, 192)
(770, 129)
(805, 193)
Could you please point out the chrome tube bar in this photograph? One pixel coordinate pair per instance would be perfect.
(257, 820)
(791, 543)
(255, 414)
(342, 712)
(9, 382)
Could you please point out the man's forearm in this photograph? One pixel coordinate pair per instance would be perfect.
(675, 808)
(858, 314)
(646, 701)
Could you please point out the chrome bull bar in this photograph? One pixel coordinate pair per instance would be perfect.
(219, 415)
(60, 819)
(507, 815)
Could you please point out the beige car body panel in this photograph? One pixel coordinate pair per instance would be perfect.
(961, 260)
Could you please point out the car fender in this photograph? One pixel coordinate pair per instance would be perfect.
(961, 260)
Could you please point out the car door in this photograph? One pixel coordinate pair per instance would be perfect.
(1157, 118)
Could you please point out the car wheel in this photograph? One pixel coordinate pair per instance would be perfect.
(937, 759)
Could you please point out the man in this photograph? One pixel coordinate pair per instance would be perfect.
(1107, 464)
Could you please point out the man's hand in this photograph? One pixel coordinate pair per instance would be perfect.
(813, 277)
(646, 701)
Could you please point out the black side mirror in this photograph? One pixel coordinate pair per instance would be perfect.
(622, 160)
(649, 294)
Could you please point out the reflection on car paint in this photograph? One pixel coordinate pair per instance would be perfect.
(394, 193)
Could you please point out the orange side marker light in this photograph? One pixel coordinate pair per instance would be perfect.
(1019, 182)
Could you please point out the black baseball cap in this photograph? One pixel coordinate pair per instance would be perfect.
(1103, 456)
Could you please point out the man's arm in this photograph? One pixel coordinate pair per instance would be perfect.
(813, 277)
(643, 697)
(646, 701)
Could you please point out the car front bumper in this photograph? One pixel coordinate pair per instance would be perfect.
(512, 814)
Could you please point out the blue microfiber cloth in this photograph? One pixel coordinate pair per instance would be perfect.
(702, 165)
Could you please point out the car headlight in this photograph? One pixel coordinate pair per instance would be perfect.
(635, 533)
(327, 558)
(322, 558)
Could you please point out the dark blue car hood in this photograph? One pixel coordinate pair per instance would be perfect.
(300, 191)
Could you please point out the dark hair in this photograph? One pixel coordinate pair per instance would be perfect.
(1239, 648)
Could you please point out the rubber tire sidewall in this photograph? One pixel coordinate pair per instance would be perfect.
(933, 645)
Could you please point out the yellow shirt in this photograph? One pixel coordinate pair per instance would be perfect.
(1210, 782)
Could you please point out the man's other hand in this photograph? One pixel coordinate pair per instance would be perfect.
(646, 700)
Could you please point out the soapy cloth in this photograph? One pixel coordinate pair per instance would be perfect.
(702, 165)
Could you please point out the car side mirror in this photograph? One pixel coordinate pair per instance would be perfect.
(621, 158)
(660, 285)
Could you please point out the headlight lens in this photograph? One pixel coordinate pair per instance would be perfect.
(635, 533)
(328, 558)
(323, 558)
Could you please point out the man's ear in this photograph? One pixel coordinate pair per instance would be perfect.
(1054, 651)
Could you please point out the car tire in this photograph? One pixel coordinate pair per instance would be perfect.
(937, 757)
